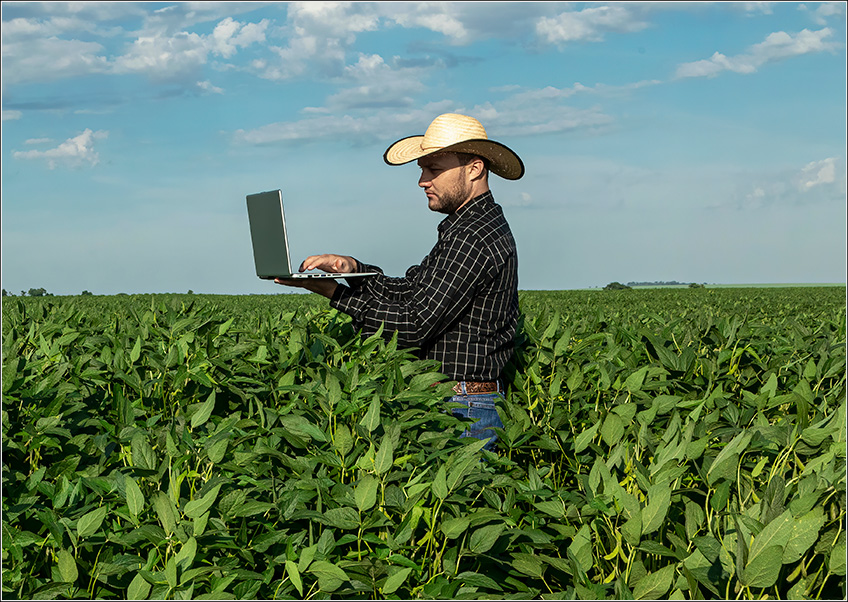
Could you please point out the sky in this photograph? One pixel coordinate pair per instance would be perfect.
(697, 142)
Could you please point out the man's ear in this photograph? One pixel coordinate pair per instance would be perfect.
(476, 168)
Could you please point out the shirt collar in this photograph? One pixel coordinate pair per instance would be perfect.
(473, 206)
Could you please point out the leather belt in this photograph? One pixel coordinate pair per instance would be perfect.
(477, 388)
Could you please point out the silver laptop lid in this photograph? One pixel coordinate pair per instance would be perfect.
(268, 234)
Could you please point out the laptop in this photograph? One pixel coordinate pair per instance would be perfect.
(270, 242)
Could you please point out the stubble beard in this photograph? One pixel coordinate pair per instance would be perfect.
(452, 199)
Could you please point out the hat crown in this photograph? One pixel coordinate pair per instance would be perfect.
(452, 128)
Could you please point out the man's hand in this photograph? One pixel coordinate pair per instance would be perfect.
(321, 286)
(341, 264)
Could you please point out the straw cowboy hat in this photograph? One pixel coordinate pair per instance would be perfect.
(458, 134)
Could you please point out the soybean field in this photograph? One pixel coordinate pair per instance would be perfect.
(658, 444)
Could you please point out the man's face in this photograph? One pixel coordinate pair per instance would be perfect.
(445, 182)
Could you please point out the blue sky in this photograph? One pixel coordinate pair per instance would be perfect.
(698, 142)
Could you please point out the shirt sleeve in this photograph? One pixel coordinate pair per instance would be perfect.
(428, 299)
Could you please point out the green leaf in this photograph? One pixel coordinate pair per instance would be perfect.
(612, 429)
(581, 548)
(554, 508)
(217, 449)
(89, 523)
(294, 576)
(528, 564)
(343, 441)
(456, 526)
(171, 572)
(805, 532)
(199, 524)
(654, 586)
(185, 557)
(583, 440)
(632, 529)
(776, 533)
(371, 420)
(165, 511)
(770, 388)
(562, 344)
(123, 407)
(484, 538)
(724, 465)
(306, 557)
(136, 350)
(472, 579)
(423, 382)
(252, 508)
(195, 508)
(635, 381)
(365, 492)
(138, 589)
(553, 325)
(67, 566)
(203, 411)
(659, 501)
(763, 569)
(302, 427)
(135, 499)
(395, 579)
(223, 328)
(440, 483)
(143, 455)
(384, 458)
(330, 577)
(342, 518)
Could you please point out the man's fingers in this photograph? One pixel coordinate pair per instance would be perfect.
(327, 263)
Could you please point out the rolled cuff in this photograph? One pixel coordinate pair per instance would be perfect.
(355, 283)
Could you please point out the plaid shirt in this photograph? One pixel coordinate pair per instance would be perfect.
(460, 306)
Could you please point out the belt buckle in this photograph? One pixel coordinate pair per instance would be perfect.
(477, 388)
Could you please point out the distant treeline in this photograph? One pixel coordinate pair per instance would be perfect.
(660, 283)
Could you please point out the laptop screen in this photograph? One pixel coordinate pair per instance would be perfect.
(268, 234)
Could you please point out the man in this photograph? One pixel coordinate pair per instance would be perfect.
(460, 305)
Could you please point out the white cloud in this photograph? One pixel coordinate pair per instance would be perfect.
(376, 84)
(319, 34)
(818, 182)
(207, 86)
(180, 16)
(442, 17)
(45, 59)
(230, 35)
(529, 113)
(73, 152)
(181, 55)
(51, 48)
(11, 115)
(378, 125)
(776, 46)
(825, 10)
(817, 173)
(758, 7)
(551, 93)
(34, 141)
(588, 24)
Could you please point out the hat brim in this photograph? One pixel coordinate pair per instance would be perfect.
(502, 160)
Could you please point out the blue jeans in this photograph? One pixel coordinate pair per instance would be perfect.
(481, 408)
